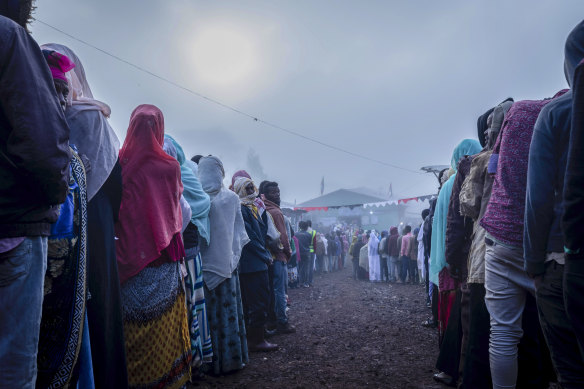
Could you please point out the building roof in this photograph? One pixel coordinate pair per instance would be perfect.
(340, 198)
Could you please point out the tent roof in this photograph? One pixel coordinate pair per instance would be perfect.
(341, 198)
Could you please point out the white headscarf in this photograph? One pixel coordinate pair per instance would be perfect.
(90, 130)
(228, 236)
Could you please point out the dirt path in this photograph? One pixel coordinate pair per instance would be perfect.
(350, 334)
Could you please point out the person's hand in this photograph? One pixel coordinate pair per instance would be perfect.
(537, 280)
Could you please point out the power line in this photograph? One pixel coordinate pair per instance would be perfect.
(229, 107)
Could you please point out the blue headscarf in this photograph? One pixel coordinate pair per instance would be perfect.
(193, 192)
(437, 257)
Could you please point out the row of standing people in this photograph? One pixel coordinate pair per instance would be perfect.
(504, 243)
(121, 266)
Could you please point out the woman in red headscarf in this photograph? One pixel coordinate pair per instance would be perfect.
(148, 249)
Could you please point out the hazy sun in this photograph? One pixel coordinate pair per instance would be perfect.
(223, 56)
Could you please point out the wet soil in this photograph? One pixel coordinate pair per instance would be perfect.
(350, 334)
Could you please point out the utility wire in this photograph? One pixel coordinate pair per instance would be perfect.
(229, 107)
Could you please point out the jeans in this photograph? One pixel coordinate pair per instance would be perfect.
(332, 263)
(405, 265)
(303, 271)
(393, 268)
(311, 260)
(557, 329)
(573, 292)
(355, 268)
(319, 264)
(280, 280)
(22, 276)
(383, 265)
(507, 285)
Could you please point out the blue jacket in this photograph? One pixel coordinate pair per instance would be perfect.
(254, 255)
(548, 155)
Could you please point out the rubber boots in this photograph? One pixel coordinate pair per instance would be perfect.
(256, 341)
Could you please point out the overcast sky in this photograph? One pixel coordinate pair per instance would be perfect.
(399, 81)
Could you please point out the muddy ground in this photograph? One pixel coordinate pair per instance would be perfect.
(350, 334)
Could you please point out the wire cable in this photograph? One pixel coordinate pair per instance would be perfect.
(229, 107)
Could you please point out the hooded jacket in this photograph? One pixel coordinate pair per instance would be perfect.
(392, 248)
(573, 217)
(34, 151)
(548, 157)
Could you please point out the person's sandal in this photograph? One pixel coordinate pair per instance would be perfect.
(429, 323)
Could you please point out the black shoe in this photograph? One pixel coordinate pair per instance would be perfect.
(285, 329)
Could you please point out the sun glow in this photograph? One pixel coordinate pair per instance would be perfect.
(224, 57)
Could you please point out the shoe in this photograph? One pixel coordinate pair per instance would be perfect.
(256, 341)
(306, 286)
(429, 323)
(269, 333)
(285, 329)
(444, 378)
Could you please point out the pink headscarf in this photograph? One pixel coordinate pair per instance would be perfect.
(150, 213)
(58, 63)
(258, 202)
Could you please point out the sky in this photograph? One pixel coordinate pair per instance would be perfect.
(401, 82)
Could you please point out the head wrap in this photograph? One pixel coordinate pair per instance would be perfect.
(150, 212)
(193, 191)
(79, 90)
(437, 254)
(220, 257)
(58, 63)
(239, 187)
(90, 130)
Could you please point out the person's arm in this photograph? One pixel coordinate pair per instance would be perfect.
(540, 193)
(38, 144)
(255, 246)
(573, 218)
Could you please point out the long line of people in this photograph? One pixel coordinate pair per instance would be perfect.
(122, 267)
(504, 242)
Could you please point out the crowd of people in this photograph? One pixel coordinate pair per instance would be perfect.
(504, 241)
(134, 266)
(127, 266)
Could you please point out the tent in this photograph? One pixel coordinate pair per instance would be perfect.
(340, 198)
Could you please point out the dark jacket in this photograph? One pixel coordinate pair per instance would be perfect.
(34, 146)
(304, 241)
(356, 249)
(458, 228)
(548, 156)
(573, 217)
(254, 255)
(392, 248)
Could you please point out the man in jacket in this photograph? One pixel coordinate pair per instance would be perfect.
(543, 240)
(280, 254)
(34, 173)
(253, 267)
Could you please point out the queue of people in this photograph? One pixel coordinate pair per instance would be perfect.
(122, 265)
(504, 243)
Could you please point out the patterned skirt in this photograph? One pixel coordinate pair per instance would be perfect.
(201, 345)
(228, 334)
(156, 332)
(65, 288)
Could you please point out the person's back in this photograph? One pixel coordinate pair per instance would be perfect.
(34, 178)
(304, 239)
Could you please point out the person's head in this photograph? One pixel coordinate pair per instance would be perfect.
(416, 230)
(271, 192)
(196, 158)
(309, 223)
(425, 213)
(19, 11)
(407, 229)
(384, 234)
(59, 65)
(303, 225)
(238, 174)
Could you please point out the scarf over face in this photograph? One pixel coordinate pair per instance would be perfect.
(221, 256)
(193, 192)
(437, 254)
(150, 213)
(248, 200)
(90, 130)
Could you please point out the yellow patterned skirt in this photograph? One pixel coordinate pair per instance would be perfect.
(158, 352)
